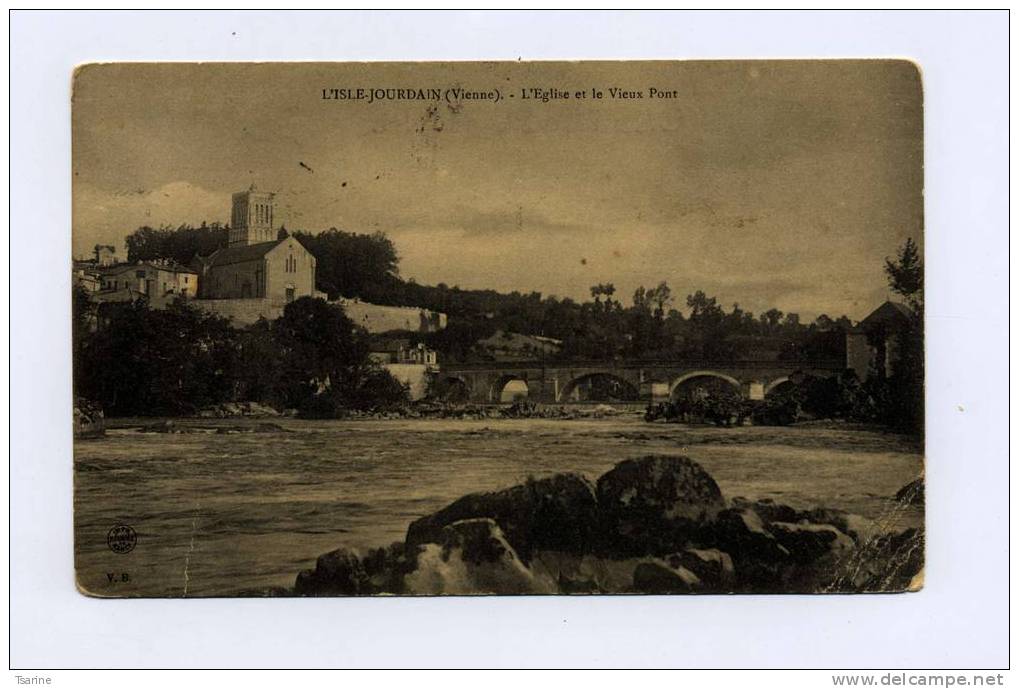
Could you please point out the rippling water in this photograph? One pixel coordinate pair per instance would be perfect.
(223, 514)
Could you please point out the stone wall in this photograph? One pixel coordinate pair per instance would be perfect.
(242, 280)
(859, 354)
(372, 317)
(379, 319)
(241, 312)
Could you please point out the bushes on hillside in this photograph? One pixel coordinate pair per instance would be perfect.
(138, 361)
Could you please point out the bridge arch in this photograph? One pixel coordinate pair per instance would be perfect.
(509, 388)
(775, 384)
(737, 387)
(600, 386)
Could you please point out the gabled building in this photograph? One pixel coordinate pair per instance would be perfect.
(872, 347)
(149, 278)
(257, 274)
(280, 271)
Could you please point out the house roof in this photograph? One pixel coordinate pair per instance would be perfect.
(240, 254)
(121, 267)
(889, 312)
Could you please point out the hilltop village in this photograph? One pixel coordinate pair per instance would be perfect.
(255, 276)
(262, 269)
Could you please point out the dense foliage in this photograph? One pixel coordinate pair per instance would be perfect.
(179, 244)
(650, 327)
(137, 361)
(353, 265)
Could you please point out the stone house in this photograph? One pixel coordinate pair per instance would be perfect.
(872, 347)
(150, 278)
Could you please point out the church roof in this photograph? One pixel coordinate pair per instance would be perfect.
(240, 254)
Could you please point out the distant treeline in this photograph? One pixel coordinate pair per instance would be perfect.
(650, 326)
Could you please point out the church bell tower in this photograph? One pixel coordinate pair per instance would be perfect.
(252, 219)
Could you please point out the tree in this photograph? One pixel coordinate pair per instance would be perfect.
(905, 274)
(354, 265)
(905, 394)
(661, 297)
(707, 327)
(180, 244)
(325, 364)
(824, 322)
(640, 299)
(606, 289)
(82, 315)
(771, 319)
(145, 362)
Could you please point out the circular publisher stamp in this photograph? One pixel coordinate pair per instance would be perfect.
(121, 539)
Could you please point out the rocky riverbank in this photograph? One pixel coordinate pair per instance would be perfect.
(518, 410)
(89, 421)
(658, 524)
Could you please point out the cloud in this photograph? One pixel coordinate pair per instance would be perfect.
(106, 217)
(478, 223)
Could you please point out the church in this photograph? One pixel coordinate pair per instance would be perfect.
(259, 272)
(263, 271)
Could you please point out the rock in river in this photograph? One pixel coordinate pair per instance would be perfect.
(337, 573)
(555, 513)
(473, 557)
(653, 505)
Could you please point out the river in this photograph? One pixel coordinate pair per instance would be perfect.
(239, 513)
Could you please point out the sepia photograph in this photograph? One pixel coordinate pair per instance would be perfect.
(498, 328)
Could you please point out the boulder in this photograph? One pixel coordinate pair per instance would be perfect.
(768, 510)
(573, 573)
(655, 504)
(712, 567)
(387, 567)
(860, 529)
(808, 543)
(759, 559)
(473, 557)
(337, 573)
(555, 513)
(657, 577)
(742, 533)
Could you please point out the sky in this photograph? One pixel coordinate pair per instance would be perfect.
(765, 183)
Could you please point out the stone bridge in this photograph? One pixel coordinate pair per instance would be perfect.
(644, 381)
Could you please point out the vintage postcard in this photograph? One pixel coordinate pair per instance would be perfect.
(346, 329)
